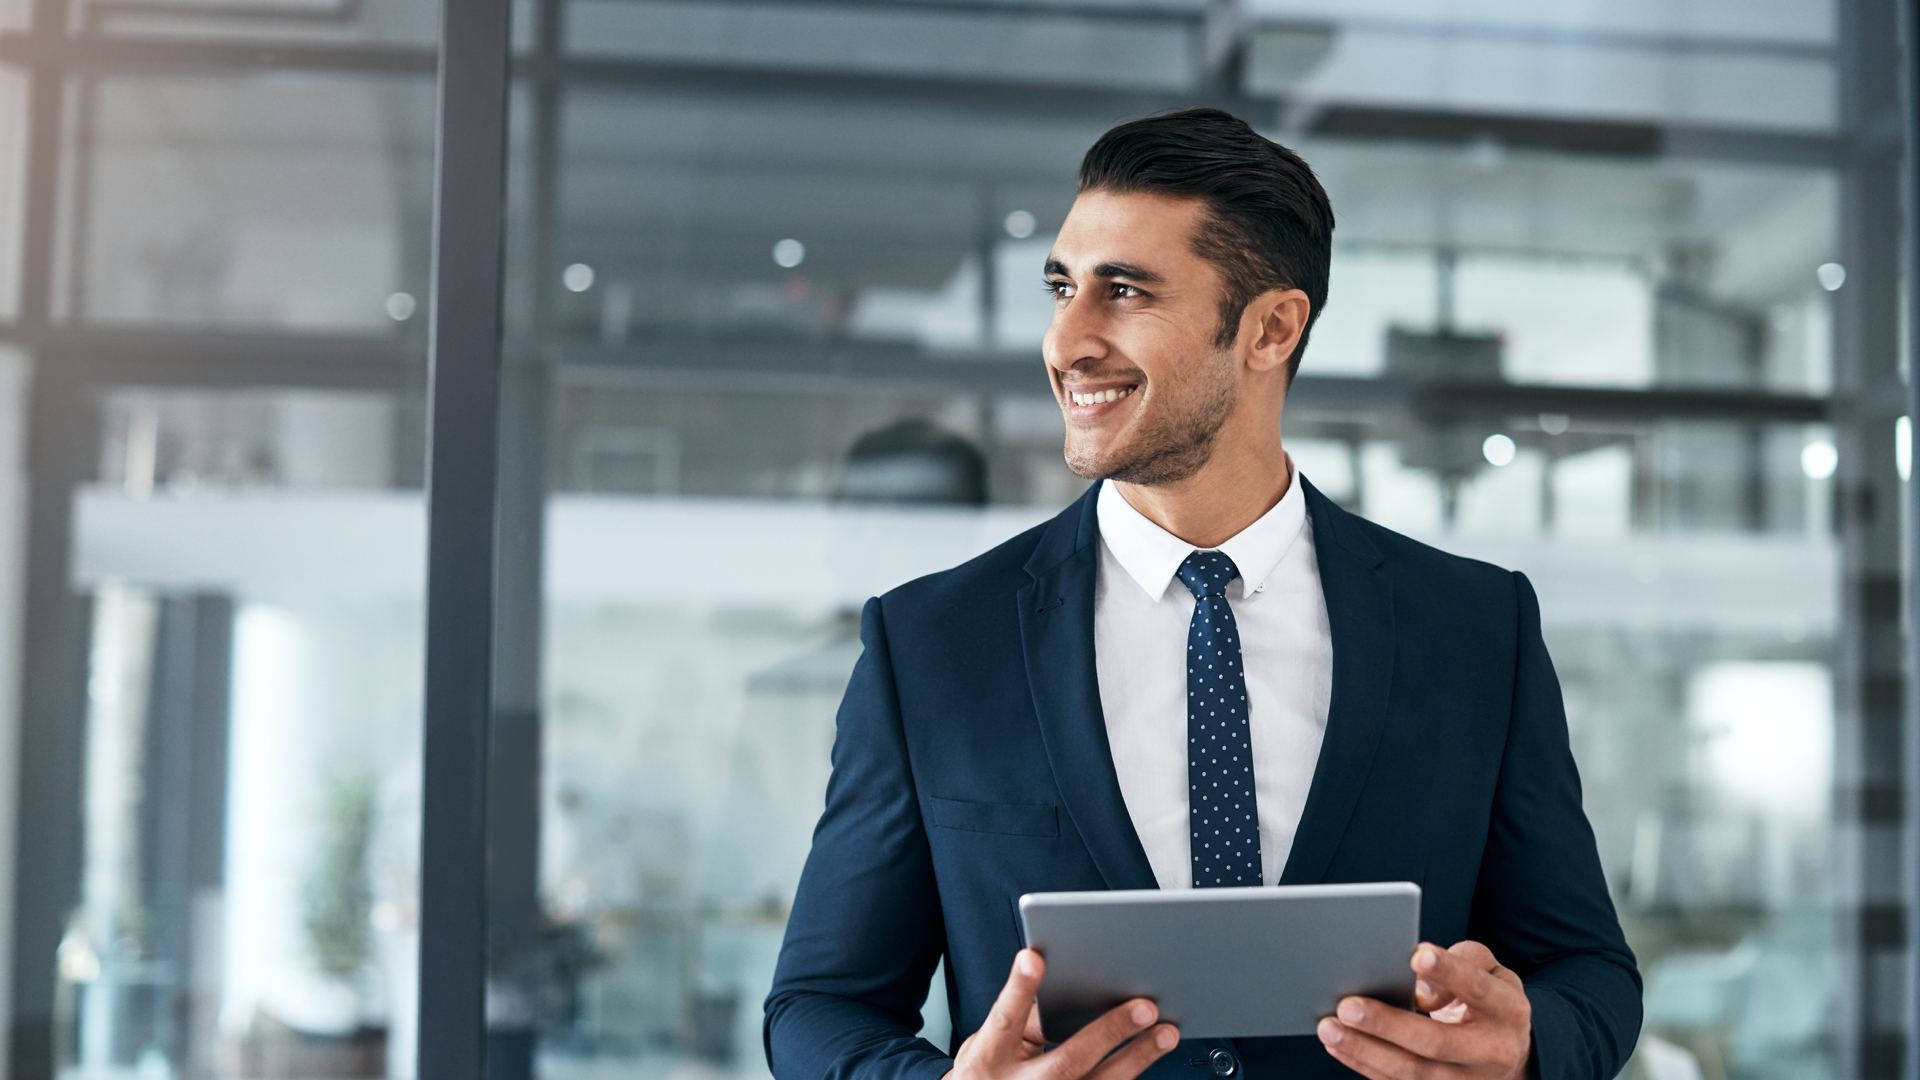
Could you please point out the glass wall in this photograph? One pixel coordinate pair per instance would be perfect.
(788, 260)
(216, 393)
(251, 776)
(773, 317)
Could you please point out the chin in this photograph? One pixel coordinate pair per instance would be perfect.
(1151, 466)
(1089, 463)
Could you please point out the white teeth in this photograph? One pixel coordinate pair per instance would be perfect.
(1100, 397)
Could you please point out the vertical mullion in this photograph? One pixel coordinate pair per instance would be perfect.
(463, 393)
(1909, 22)
(1870, 650)
(46, 98)
(513, 843)
(45, 873)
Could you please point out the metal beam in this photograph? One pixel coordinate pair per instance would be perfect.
(957, 94)
(840, 367)
(1748, 146)
(188, 56)
(946, 93)
(218, 358)
(463, 389)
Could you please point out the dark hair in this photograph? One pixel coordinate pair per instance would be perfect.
(1269, 224)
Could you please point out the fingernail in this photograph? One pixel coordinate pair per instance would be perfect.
(1425, 958)
(1351, 1010)
(1143, 1014)
(1331, 1032)
(1166, 1038)
(1026, 964)
(1423, 988)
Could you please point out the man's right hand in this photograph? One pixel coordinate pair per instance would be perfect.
(1009, 1046)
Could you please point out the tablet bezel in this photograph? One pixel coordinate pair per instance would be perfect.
(1223, 963)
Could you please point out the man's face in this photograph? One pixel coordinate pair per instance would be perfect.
(1131, 349)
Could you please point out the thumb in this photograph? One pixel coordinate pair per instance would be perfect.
(1006, 1024)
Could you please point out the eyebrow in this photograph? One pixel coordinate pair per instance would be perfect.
(1128, 271)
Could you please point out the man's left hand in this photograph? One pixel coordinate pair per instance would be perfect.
(1479, 1027)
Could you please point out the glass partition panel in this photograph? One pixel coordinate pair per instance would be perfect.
(248, 906)
(223, 547)
(782, 289)
(289, 202)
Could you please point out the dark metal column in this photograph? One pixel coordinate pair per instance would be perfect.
(462, 471)
(46, 92)
(1909, 21)
(515, 924)
(1870, 688)
(61, 442)
(46, 872)
(513, 842)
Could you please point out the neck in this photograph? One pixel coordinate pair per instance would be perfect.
(1243, 479)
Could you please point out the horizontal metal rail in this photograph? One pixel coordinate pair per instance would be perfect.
(209, 358)
(104, 54)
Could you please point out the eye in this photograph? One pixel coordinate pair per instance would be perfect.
(1060, 288)
(1123, 291)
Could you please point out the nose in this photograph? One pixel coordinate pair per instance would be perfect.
(1074, 336)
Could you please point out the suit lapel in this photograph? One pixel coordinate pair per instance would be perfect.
(1360, 612)
(1056, 632)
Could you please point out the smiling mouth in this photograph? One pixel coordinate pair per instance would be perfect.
(1100, 397)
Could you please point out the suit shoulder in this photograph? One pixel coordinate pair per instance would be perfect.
(998, 571)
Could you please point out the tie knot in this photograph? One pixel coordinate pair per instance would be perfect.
(1206, 573)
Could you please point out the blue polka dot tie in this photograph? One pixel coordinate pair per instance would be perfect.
(1220, 800)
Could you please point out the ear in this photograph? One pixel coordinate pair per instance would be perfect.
(1271, 326)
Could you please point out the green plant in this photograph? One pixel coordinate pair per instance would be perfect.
(339, 894)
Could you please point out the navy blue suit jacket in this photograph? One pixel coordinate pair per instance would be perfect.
(971, 766)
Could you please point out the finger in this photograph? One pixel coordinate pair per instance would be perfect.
(1481, 957)
(1007, 1021)
(1076, 1057)
(1429, 998)
(1032, 1033)
(1470, 974)
(1434, 1039)
(1378, 1059)
(1133, 1059)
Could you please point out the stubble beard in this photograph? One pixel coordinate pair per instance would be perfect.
(1173, 447)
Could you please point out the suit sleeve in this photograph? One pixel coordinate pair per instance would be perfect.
(1541, 904)
(865, 932)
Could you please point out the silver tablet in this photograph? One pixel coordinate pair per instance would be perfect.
(1223, 963)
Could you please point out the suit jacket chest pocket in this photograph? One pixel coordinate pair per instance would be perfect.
(1004, 819)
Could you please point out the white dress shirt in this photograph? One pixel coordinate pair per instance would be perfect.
(1140, 618)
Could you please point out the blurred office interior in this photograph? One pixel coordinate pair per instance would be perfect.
(1616, 301)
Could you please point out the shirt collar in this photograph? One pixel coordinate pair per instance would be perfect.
(1151, 555)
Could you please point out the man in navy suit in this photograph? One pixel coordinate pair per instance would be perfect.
(1201, 673)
